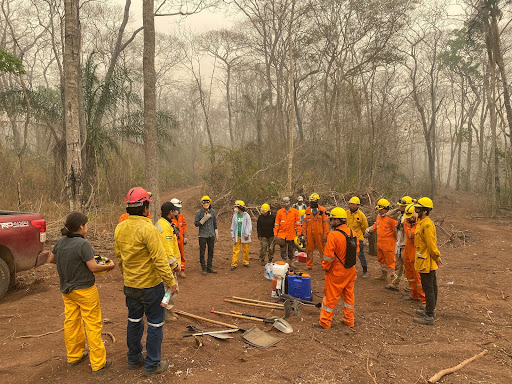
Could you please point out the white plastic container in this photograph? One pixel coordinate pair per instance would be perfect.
(267, 272)
(280, 268)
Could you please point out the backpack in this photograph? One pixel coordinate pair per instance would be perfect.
(351, 251)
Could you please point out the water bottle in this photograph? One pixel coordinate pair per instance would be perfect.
(166, 299)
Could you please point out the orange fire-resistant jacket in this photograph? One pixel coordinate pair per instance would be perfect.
(315, 224)
(357, 222)
(287, 224)
(181, 224)
(386, 232)
(336, 246)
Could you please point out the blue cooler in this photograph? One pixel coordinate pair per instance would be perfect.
(299, 286)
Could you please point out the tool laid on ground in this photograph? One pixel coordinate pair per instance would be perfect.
(260, 339)
(271, 306)
(221, 335)
(209, 320)
(280, 324)
(285, 296)
(257, 301)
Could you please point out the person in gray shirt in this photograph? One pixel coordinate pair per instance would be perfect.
(206, 220)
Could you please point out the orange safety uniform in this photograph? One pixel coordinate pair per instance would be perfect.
(339, 281)
(315, 228)
(181, 224)
(124, 216)
(413, 277)
(386, 242)
(287, 225)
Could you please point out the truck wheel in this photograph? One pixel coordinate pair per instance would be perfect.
(5, 277)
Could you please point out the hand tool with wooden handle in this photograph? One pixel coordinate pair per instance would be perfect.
(208, 320)
(257, 301)
(278, 323)
(254, 304)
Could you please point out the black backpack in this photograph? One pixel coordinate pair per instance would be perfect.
(351, 251)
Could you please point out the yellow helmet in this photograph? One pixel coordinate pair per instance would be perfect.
(265, 208)
(382, 204)
(302, 212)
(424, 202)
(354, 200)
(239, 203)
(409, 211)
(406, 200)
(338, 213)
(206, 198)
(314, 197)
(298, 242)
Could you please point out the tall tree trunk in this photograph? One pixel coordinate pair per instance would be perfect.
(72, 119)
(491, 97)
(150, 137)
(291, 119)
(228, 101)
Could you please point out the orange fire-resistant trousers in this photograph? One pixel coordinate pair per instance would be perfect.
(314, 238)
(336, 287)
(386, 254)
(413, 277)
(83, 306)
(181, 247)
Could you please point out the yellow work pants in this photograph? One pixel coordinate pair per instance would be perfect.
(236, 252)
(83, 306)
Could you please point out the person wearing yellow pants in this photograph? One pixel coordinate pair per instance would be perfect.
(241, 229)
(76, 265)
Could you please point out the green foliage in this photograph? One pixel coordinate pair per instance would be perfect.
(462, 54)
(10, 64)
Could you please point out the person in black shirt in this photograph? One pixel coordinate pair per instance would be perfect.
(265, 228)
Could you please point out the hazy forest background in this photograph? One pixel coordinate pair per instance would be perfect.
(395, 96)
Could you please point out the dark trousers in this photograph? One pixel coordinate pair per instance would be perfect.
(289, 247)
(146, 301)
(202, 248)
(429, 285)
(362, 259)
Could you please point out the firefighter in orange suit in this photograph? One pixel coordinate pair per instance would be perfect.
(413, 277)
(386, 239)
(286, 228)
(315, 228)
(181, 224)
(339, 281)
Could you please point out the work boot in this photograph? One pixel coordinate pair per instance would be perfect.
(383, 276)
(427, 320)
(75, 363)
(161, 367)
(247, 266)
(409, 298)
(232, 268)
(406, 292)
(423, 306)
(317, 326)
(392, 287)
(204, 272)
(211, 270)
(421, 312)
(182, 274)
(365, 274)
(108, 364)
(138, 365)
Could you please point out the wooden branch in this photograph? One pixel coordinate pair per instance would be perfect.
(447, 371)
(110, 335)
(42, 334)
(368, 369)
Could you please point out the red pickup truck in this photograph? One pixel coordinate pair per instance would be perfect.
(22, 238)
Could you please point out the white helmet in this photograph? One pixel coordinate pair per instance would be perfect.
(177, 203)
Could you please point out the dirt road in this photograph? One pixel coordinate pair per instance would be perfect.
(474, 313)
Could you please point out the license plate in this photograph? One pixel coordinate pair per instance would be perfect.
(42, 237)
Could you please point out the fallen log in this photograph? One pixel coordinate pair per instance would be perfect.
(447, 371)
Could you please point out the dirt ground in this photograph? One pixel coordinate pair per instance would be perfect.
(474, 313)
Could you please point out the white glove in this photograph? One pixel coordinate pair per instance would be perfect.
(367, 232)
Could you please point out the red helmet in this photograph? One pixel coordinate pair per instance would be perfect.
(136, 197)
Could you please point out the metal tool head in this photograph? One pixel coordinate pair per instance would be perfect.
(287, 309)
(296, 307)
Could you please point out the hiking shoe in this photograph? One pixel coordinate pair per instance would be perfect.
(182, 274)
(161, 367)
(232, 268)
(247, 266)
(427, 320)
(138, 365)
(409, 298)
(365, 275)
(211, 270)
(421, 312)
(204, 272)
(75, 363)
(108, 364)
(391, 287)
(406, 292)
(423, 306)
(317, 326)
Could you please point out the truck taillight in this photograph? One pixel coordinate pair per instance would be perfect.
(39, 224)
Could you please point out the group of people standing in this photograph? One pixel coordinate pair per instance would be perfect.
(151, 257)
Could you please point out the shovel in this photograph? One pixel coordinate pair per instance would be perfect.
(221, 335)
(279, 324)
